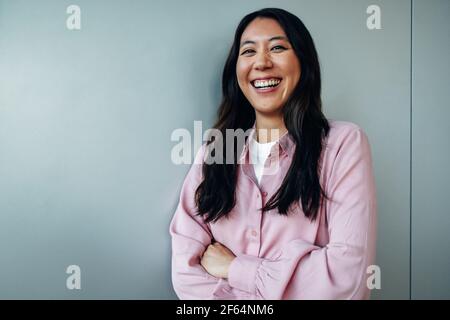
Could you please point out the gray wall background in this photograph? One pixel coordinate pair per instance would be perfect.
(430, 255)
(86, 117)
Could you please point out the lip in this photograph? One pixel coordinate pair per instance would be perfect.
(266, 78)
(265, 90)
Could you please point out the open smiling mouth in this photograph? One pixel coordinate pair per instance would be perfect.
(266, 84)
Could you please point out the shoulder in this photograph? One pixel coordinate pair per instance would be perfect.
(345, 133)
(199, 157)
(339, 128)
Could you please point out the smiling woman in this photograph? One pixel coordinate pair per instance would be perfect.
(267, 68)
(304, 231)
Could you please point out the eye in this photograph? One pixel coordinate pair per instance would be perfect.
(247, 52)
(278, 48)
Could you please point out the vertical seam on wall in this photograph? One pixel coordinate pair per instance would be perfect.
(410, 150)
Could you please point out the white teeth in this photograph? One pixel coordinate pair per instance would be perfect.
(266, 83)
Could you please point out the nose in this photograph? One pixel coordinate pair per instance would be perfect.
(262, 61)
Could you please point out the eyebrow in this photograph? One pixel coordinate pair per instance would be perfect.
(271, 39)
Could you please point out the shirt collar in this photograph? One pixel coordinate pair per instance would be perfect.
(285, 143)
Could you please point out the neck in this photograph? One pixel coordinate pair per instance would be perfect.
(269, 128)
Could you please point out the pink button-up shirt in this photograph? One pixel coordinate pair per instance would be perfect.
(285, 257)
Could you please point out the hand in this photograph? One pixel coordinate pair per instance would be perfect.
(217, 259)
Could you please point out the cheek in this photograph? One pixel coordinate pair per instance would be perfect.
(241, 72)
(296, 70)
(294, 77)
(291, 67)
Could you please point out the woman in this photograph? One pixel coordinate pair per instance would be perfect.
(305, 230)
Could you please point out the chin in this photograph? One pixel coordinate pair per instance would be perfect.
(268, 109)
(267, 106)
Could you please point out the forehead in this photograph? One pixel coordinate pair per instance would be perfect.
(262, 29)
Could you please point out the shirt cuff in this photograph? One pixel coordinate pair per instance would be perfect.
(242, 273)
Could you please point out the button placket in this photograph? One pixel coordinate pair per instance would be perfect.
(253, 234)
(254, 242)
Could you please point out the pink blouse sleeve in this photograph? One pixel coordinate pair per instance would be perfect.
(338, 270)
(190, 238)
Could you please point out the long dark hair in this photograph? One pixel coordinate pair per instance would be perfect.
(215, 196)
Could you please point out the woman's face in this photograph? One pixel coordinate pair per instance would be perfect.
(267, 68)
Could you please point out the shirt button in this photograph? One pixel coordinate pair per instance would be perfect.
(264, 194)
(254, 233)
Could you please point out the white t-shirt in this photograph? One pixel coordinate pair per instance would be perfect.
(258, 155)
